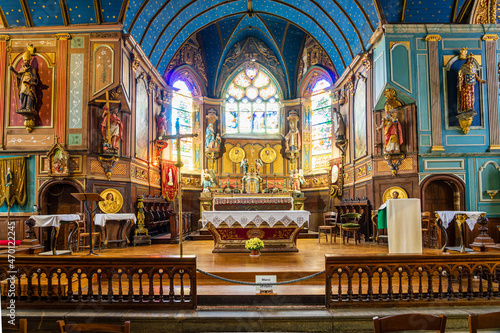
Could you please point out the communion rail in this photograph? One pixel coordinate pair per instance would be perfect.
(389, 279)
(139, 281)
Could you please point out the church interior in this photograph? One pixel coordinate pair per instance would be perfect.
(148, 146)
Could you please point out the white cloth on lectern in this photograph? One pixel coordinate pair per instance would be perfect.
(404, 226)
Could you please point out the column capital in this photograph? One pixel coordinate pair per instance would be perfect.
(63, 36)
(490, 37)
(432, 38)
(4, 37)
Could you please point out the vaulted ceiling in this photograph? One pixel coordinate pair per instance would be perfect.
(342, 27)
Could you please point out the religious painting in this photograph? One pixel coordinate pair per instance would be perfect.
(141, 120)
(360, 119)
(169, 180)
(58, 161)
(44, 92)
(113, 201)
(103, 67)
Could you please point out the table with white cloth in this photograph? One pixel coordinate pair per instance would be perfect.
(445, 217)
(404, 228)
(126, 220)
(278, 229)
(55, 221)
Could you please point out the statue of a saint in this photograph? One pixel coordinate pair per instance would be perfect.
(297, 179)
(393, 133)
(244, 165)
(26, 81)
(161, 124)
(258, 165)
(292, 138)
(207, 179)
(217, 141)
(115, 127)
(339, 128)
(467, 77)
(209, 136)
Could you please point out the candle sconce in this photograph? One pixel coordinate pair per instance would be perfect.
(492, 193)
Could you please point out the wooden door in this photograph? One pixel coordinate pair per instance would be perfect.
(439, 196)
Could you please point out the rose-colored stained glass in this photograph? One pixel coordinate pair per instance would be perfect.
(261, 80)
(242, 80)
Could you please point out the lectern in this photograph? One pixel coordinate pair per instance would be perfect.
(85, 198)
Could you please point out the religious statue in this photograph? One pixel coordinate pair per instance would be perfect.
(258, 165)
(292, 138)
(115, 128)
(161, 124)
(467, 77)
(217, 141)
(297, 179)
(207, 179)
(391, 102)
(339, 128)
(9, 178)
(244, 165)
(210, 136)
(170, 181)
(27, 79)
(393, 133)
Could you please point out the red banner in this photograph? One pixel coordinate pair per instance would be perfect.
(169, 182)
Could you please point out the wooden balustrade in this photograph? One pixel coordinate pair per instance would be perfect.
(167, 281)
(386, 279)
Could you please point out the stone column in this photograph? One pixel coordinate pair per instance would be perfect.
(62, 86)
(491, 84)
(3, 69)
(435, 88)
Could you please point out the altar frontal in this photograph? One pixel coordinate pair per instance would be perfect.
(277, 229)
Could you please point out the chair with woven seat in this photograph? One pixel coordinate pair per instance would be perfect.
(410, 322)
(350, 227)
(330, 226)
(83, 236)
(484, 321)
(64, 328)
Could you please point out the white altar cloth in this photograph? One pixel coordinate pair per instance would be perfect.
(53, 220)
(447, 216)
(404, 226)
(100, 219)
(243, 218)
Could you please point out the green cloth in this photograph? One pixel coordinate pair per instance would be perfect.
(382, 218)
(350, 216)
(350, 225)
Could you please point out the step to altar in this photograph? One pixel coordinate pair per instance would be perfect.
(204, 234)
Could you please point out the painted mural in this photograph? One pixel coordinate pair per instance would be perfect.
(360, 119)
(141, 120)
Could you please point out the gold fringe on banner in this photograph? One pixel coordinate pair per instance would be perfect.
(13, 181)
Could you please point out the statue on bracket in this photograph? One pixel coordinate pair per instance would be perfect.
(393, 132)
(292, 138)
(161, 124)
(210, 136)
(467, 77)
(339, 128)
(111, 128)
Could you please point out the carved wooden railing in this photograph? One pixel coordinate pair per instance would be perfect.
(167, 281)
(387, 279)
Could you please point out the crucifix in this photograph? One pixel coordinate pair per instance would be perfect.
(107, 101)
(178, 136)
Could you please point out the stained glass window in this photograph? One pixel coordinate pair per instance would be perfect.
(182, 108)
(251, 104)
(321, 126)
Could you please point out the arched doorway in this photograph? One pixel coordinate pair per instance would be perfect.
(55, 198)
(443, 192)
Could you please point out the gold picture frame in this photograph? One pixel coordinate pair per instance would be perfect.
(113, 201)
(389, 192)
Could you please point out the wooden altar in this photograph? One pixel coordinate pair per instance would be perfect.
(277, 229)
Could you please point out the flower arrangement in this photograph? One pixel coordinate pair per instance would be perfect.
(254, 244)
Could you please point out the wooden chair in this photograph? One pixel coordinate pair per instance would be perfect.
(21, 326)
(349, 226)
(426, 221)
(330, 224)
(64, 328)
(410, 322)
(484, 321)
(83, 237)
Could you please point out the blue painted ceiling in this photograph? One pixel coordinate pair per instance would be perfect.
(342, 27)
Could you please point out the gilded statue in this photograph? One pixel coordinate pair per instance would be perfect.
(467, 77)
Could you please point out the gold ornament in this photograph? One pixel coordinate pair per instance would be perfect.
(388, 194)
(236, 154)
(268, 155)
(113, 201)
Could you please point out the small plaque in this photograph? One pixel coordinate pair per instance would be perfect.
(266, 289)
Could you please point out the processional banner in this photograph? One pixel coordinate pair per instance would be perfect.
(13, 181)
(169, 180)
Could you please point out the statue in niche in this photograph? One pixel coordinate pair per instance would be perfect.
(210, 136)
(393, 133)
(161, 124)
(115, 128)
(467, 77)
(27, 80)
(339, 128)
(292, 138)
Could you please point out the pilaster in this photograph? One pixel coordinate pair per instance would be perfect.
(3, 79)
(437, 140)
(491, 82)
(62, 86)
